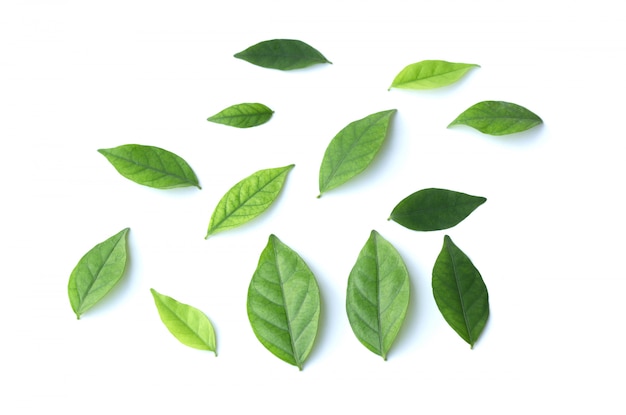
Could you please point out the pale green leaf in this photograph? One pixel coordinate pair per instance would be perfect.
(497, 118)
(244, 115)
(430, 74)
(283, 54)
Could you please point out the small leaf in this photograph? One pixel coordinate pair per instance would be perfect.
(460, 292)
(188, 324)
(97, 272)
(283, 54)
(497, 118)
(151, 166)
(434, 209)
(248, 199)
(244, 115)
(352, 150)
(430, 74)
(284, 303)
(378, 295)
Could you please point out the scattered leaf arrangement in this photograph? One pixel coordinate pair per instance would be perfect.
(283, 300)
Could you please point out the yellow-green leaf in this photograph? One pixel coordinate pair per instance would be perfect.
(431, 74)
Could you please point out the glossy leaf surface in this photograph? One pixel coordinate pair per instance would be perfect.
(497, 118)
(244, 115)
(188, 324)
(434, 209)
(460, 292)
(284, 303)
(430, 74)
(353, 149)
(151, 166)
(248, 199)
(378, 295)
(97, 272)
(283, 54)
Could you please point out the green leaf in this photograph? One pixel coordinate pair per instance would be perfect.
(460, 292)
(497, 118)
(434, 209)
(188, 324)
(283, 54)
(151, 166)
(378, 295)
(284, 303)
(244, 115)
(430, 74)
(353, 149)
(248, 199)
(97, 272)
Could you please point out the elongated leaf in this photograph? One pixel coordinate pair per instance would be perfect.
(460, 292)
(434, 209)
(248, 199)
(151, 166)
(378, 295)
(188, 324)
(497, 118)
(284, 303)
(430, 74)
(244, 115)
(283, 54)
(353, 149)
(97, 272)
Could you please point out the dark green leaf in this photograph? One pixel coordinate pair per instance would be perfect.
(97, 272)
(434, 209)
(151, 166)
(284, 54)
(244, 115)
(284, 303)
(497, 118)
(430, 74)
(460, 292)
(378, 295)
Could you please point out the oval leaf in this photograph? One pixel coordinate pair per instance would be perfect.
(151, 166)
(497, 118)
(378, 295)
(244, 115)
(248, 199)
(188, 324)
(283, 54)
(284, 303)
(460, 292)
(434, 209)
(353, 149)
(97, 272)
(430, 74)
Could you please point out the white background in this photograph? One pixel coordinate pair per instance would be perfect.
(76, 76)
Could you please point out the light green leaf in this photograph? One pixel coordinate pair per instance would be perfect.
(352, 150)
(248, 199)
(97, 272)
(188, 324)
(283, 54)
(151, 166)
(284, 303)
(460, 292)
(434, 209)
(430, 74)
(244, 115)
(497, 118)
(378, 295)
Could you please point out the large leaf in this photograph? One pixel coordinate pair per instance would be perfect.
(434, 209)
(283, 54)
(151, 166)
(497, 118)
(430, 74)
(284, 303)
(248, 199)
(352, 150)
(244, 115)
(378, 295)
(460, 292)
(188, 324)
(97, 272)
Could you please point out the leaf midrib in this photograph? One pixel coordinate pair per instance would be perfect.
(458, 288)
(148, 167)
